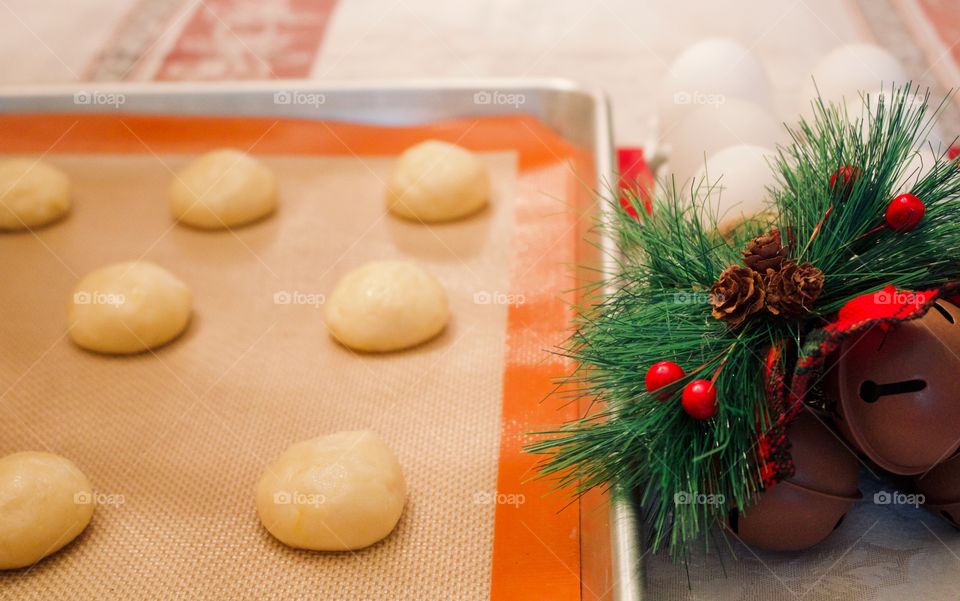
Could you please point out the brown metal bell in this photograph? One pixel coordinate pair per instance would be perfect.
(941, 489)
(804, 509)
(897, 391)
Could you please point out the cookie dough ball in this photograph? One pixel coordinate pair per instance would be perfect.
(334, 493)
(436, 181)
(386, 306)
(32, 193)
(45, 502)
(128, 308)
(221, 189)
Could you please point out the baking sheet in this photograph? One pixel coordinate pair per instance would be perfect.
(544, 546)
(174, 441)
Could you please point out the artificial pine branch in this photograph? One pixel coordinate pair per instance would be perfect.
(660, 310)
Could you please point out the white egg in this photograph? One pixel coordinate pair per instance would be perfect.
(848, 70)
(707, 73)
(919, 165)
(857, 109)
(712, 128)
(737, 178)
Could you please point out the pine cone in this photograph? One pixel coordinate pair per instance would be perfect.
(737, 295)
(765, 252)
(792, 291)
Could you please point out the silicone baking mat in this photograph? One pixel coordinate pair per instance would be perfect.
(175, 440)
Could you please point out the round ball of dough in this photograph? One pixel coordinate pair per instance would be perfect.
(32, 193)
(386, 306)
(221, 189)
(436, 181)
(128, 308)
(333, 493)
(45, 502)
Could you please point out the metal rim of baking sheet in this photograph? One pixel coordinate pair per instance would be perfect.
(579, 114)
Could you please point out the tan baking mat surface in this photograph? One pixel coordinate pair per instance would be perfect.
(175, 442)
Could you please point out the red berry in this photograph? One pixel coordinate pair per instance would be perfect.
(905, 212)
(847, 174)
(700, 399)
(663, 374)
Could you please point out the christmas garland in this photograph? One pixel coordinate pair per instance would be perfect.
(710, 342)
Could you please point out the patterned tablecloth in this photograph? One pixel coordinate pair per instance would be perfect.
(620, 46)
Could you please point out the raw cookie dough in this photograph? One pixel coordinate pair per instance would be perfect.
(32, 193)
(386, 306)
(45, 502)
(333, 493)
(128, 308)
(221, 189)
(437, 181)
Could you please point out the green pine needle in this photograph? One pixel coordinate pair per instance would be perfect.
(659, 311)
